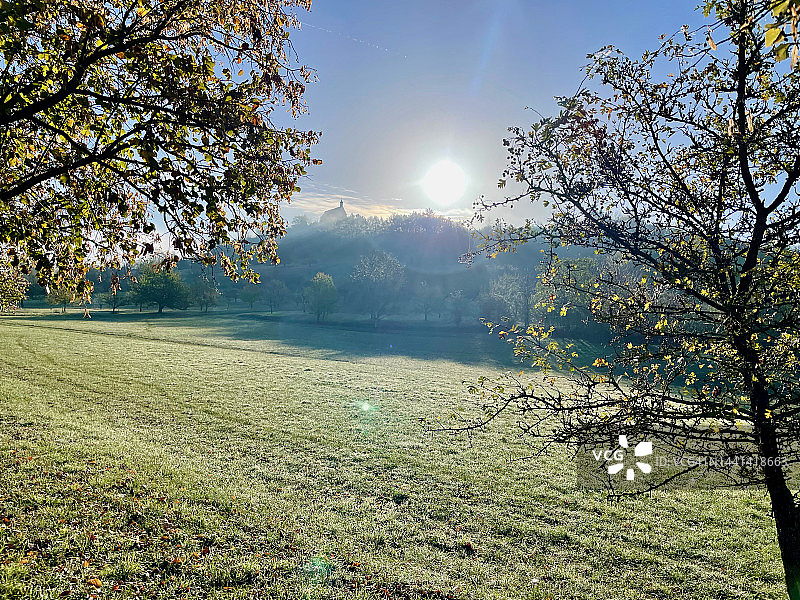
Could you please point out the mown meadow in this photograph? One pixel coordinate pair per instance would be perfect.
(243, 455)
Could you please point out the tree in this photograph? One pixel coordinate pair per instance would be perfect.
(300, 300)
(231, 292)
(275, 292)
(114, 299)
(458, 305)
(117, 116)
(135, 296)
(377, 280)
(251, 294)
(204, 293)
(492, 307)
(515, 289)
(301, 221)
(563, 296)
(428, 297)
(60, 296)
(13, 286)
(688, 186)
(161, 287)
(321, 295)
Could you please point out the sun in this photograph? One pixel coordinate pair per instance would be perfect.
(444, 183)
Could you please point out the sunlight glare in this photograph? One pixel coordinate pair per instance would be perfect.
(444, 183)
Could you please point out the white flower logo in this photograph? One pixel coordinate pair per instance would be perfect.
(641, 449)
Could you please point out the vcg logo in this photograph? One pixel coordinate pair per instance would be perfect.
(617, 456)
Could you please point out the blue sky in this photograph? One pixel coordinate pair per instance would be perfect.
(403, 85)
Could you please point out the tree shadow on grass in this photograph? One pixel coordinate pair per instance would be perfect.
(342, 337)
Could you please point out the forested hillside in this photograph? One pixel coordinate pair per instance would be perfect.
(401, 268)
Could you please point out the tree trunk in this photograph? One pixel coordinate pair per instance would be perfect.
(784, 508)
(787, 523)
(160, 308)
(527, 309)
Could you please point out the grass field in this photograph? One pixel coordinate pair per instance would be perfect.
(244, 456)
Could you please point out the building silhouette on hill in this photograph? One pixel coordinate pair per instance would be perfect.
(333, 215)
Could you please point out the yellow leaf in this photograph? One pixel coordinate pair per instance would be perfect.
(773, 35)
(780, 7)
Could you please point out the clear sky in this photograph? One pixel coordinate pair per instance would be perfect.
(406, 84)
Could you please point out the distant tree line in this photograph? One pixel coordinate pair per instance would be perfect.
(406, 266)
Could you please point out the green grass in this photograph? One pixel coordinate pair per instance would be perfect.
(189, 457)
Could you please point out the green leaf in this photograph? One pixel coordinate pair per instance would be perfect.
(782, 52)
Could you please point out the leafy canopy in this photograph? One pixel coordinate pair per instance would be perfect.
(162, 288)
(204, 292)
(377, 280)
(13, 286)
(321, 295)
(129, 127)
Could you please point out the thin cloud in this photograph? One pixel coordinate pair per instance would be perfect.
(317, 203)
(315, 198)
(353, 39)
